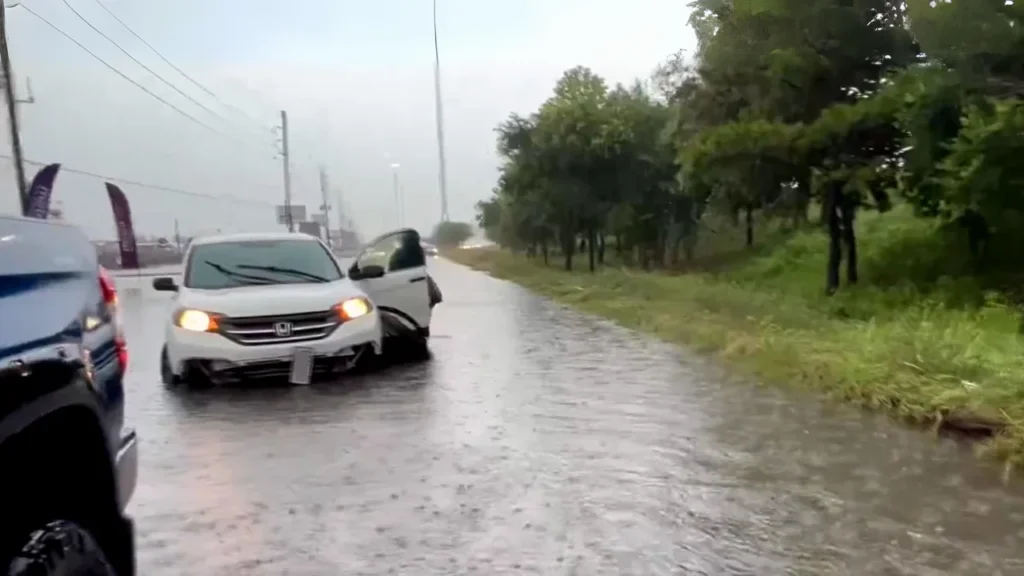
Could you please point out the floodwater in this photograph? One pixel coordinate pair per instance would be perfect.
(541, 441)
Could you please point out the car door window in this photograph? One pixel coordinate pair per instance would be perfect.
(399, 251)
(379, 253)
(408, 254)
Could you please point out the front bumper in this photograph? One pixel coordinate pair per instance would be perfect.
(324, 365)
(223, 360)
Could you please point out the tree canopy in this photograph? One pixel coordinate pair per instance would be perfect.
(839, 105)
(452, 234)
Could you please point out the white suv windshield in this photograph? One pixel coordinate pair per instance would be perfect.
(259, 262)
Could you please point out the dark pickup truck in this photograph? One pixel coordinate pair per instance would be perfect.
(69, 464)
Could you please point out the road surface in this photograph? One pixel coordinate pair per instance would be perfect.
(541, 441)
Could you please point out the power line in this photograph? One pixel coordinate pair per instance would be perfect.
(133, 82)
(139, 62)
(127, 78)
(136, 183)
(119, 73)
(177, 69)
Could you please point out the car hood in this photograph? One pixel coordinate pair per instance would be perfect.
(270, 300)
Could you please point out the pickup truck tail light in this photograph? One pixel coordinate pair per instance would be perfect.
(110, 297)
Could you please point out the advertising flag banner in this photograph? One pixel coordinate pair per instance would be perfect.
(125, 231)
(41, 191)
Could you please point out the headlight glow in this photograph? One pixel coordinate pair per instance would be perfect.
(353, 308)
(196, 321)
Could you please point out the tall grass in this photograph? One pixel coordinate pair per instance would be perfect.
(921, 337)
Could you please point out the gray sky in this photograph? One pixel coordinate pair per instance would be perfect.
(355, 76)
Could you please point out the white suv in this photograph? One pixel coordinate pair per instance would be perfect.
(280, 305)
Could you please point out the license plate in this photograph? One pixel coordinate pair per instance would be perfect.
(302, 366)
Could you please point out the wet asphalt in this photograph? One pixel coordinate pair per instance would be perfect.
(541, 441)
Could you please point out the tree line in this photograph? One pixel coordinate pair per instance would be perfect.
(803, 112)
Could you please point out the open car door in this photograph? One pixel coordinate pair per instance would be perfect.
(402, 292)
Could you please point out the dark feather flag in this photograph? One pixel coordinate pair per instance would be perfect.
(41, 191)
(125, 231)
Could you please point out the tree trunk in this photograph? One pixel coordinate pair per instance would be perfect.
(978, 235)
(592, 252)
(544, 250)
(689, 237)
(568, 248)
(618, 245)
(830, 211)
(664, 244)
(801, 201)
(750, 226)
(850, 239)
(600, 249)
(677, 241)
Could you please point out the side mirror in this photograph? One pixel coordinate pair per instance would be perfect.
(164, 284)
(366, 273)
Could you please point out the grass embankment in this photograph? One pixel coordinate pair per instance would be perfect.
(944, 352)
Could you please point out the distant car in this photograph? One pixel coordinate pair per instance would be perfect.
(279, 305)
(429, 249)
(70, 465)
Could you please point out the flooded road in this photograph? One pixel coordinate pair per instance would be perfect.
(541, 441)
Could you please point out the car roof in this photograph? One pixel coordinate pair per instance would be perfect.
(251, 237)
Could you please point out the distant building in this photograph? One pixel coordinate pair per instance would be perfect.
(312, 228)
(345, 239)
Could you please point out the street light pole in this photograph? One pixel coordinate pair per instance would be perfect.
(326, 207)
(442, 169)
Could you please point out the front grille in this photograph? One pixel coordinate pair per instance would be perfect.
(323, 367)
(263, 330)
(273, 369)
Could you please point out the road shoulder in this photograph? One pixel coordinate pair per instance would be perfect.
(956, 370)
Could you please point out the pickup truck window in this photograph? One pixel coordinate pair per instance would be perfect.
(259, 262)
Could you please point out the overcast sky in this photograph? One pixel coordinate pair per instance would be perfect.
(356, 78)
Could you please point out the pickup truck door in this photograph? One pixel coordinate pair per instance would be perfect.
(51, 298)
(402, 292)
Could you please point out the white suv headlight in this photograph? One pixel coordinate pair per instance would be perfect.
(195, 320)
(353, 308)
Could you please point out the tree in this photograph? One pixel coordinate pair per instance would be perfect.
(849, 104)
(452, 234)
(576, 137)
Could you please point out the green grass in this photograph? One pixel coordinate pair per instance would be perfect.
(918, 338)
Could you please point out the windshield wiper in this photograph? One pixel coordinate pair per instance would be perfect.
(292, 271)
(253, 280)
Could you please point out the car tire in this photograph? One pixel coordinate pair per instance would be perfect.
(172, 380)
(169, 378)
(420, 349)
(404, 349)
(60, 548)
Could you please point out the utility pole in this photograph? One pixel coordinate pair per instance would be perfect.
(398, 203)
(341, 212)
(287, 172)
(442, 173)
(12, 111)
(325, 207)
(177, 236)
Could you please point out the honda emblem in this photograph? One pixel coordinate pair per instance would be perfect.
(283, 329)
